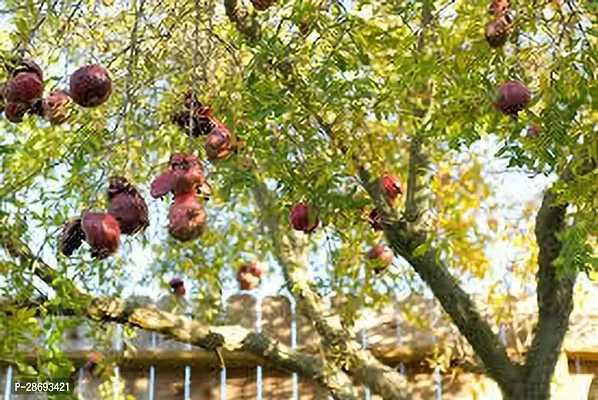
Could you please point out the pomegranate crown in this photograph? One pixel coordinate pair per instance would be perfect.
(176, 283)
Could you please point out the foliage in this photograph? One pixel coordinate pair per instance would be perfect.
(360, 71)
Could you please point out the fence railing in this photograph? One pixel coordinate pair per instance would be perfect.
(412, 334)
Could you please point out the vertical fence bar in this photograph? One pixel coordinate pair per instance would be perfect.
(241, 383)
(258, 328)
(437, 374)
(188, 347)
(223, 383)
(118, 347)
(152, 382)
(276, 323)
(364, 345)
(8, 387)
(187, 382)
(294, 346)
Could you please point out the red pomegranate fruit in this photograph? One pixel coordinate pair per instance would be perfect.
(127, 206)
(498, 7)
(15, 112)
(101, 231)
(512, 98)
(219, 144)
(381, 257)
(187, 218)
(262, 5)
(188, 173)
(24, 88)
(28, 67)
(258, 268)
(55, 108)
(246, 278)
(184, 175)
(497, 31)
(392, 187)
(90, 86)
(375, 220)
(304, 217)
(178, 287)
(193, 117)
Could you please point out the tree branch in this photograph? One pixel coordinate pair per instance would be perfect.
(11, 242)
(405, 234)
(405, 239)
(359, 363)
(186, 330)
(228, 338)
(554, 291)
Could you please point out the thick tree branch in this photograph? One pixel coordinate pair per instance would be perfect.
(12, 243)
(228, 338)
(406, 233)
(554, 290)
(183, 329)
(405, 239)
(359, 363)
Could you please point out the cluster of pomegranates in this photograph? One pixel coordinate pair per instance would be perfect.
(198, 120)
(185, 179)
(497, 31)
(305, 218)
(249, 275)
(89, 86)
(381, 257)
(127, 214)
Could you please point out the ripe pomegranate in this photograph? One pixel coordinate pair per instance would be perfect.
(193, 118)
(95, 364)
(72, 237)
(497, 31)
(178, 287)
(392, 187)
(375, 220)
(513, 97)
(15, 112)
(90, 86)
(498, 7)
(28, 67)
(55, 108)
(127, 206)
(219, 144)
(188, 173)
(184, 175)
(101, 231)
(304, 217)
(258, 268)
(24, 88)
(246, 278)
(2, 97)
(381, 257)
(187, 218)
